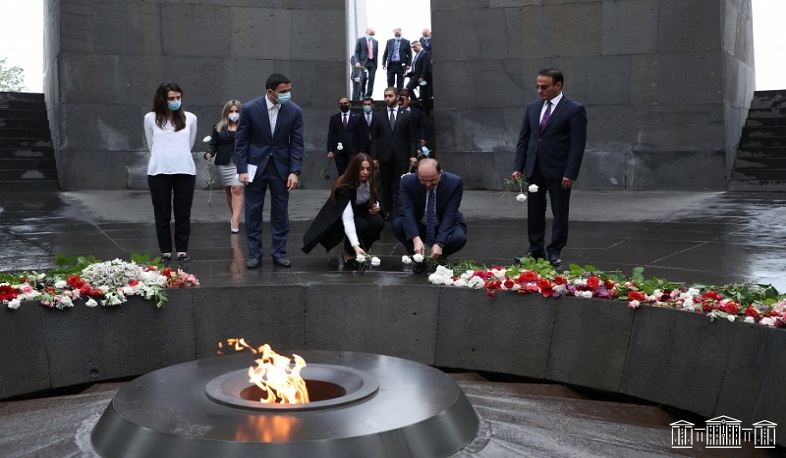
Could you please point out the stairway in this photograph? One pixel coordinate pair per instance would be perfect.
(27, 160)
(760, 164)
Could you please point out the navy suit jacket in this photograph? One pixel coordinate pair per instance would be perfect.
(412, 201)
(559, 149)
(361, 51)
(350, 138)
(255, 144)
(404, 52)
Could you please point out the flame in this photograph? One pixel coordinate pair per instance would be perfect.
(275, 374)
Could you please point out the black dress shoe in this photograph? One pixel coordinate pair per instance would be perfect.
(283, 262)
(554, 260)
(419, 267)
(253, 263)
(351, 264)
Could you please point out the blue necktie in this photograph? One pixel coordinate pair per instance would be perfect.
(392, 120)
(394, 57)
(431, 218)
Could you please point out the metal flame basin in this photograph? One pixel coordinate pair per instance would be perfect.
(381, 406)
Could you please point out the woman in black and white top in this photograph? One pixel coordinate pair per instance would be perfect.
(171, 173)
(222, 147)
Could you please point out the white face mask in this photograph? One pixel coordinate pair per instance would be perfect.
(234, 117)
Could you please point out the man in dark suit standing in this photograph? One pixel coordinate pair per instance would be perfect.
(345, 135)
(550, 149)
(268, 153)
(368, 124)
(429, 217)
(420, 73)
(366, 55)
(393, 147)
(396, 58)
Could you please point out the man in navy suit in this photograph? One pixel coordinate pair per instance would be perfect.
(269, 141)
(549, 153)
(425, 40)
(412, 227)
(420, 73)
(345, 128)
(396, 58)
(366, 55)
(393, 147)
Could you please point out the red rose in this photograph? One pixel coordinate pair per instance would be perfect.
(490, 293)
(608, 284)
(529, 276)
(167, 273)
(731, 308)
(635, 296)
(509, 283)
(547, 291)
(544, 283)
(751, 311)
(712, 295)
(593, 283)
(133, 283)
(75, 281)
(560, 280)
(8, 293)
(530, 288)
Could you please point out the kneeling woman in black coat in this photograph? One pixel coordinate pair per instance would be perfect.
(352, 211)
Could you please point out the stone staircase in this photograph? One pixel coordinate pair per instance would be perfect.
(760, 164)
(27, 160)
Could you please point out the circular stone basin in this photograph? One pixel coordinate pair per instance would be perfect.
(366, 405)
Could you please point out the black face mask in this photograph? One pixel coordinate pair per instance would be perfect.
(344, 108)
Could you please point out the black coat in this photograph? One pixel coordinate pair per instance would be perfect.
(222, 145)
(327, 229)
(350, 138)
(399, 143)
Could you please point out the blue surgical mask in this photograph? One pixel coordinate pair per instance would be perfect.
(284, 98)
(174, 106)
(367, 108)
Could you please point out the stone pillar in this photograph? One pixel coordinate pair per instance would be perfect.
(105, 59)
(666, 94)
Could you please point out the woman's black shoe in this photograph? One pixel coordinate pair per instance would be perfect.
(166, 257)
(351, 264)
(183, 257)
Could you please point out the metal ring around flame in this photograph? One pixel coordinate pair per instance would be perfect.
(358, 385)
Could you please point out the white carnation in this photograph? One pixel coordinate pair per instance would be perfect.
(406, 260)
(521, 197)
(14, 303)
(375, 261)
(532, 188)
(417, 257)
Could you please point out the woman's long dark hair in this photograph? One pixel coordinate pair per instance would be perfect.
(162, 111)
(351, 178)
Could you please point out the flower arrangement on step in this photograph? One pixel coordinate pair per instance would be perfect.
(748, 302)
(105, 283)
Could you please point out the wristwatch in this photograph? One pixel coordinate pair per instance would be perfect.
(296, 172)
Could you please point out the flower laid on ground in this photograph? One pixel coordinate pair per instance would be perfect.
(750, 303)
(373, 261)
(96, 282)
(417, 257)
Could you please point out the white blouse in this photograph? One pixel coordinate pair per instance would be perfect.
(170, 151)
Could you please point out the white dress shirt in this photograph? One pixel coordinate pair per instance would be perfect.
(170, 151)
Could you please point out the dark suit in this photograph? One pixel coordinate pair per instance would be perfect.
(351, 138)
(358, 78)
(545, 158)
(361, 55)
(451, 231)
(276, 155)
(397, 67)
(426, 42)
(421, 68)
(392, 148)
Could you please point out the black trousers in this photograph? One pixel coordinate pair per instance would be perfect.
(368, 228)
(390, 176)
(456, 240)
(396, 75)
(536, 214)
(170, 192)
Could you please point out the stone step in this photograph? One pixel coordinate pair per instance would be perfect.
(27, 174)
(760, 163)
(759, 113)
(29, 185)
(772, 121)
(764, 131)
(20, 97)
(40, 133)
(24, 143)
(7, 113)
(38, 152)
(757, 185)
(24, 123)
(23, 105)
(28, 163)
(771, 142)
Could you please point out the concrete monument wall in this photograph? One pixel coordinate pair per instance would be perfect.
(666, 84)
(105, 59)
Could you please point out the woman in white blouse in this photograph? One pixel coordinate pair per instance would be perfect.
(351, 213)
(171, 173)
